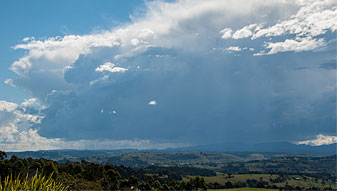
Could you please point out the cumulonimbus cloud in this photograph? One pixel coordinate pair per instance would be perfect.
(98, 86)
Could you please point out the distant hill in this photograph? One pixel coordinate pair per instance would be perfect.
(205, 155)
(148, 158)
(280, 147)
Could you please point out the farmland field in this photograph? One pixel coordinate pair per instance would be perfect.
(250, 180)
(244, 189)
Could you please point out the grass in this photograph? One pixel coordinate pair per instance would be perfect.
(38, 182)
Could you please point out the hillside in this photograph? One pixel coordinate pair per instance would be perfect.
(141, 158)
(181, 171)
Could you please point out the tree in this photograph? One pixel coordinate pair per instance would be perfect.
(260, 184)
(113, 179)
(124, 185)
(113, 175)
(3, 155)
(93, 172)
(50, 169)
(133, 181)
(229, 184)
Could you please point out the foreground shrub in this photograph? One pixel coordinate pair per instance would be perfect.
(38, 182)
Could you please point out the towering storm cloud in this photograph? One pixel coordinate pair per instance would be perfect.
(189, 72)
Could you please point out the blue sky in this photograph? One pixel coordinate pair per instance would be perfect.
(43, 19)
(158, 74)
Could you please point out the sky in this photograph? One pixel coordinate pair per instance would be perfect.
(86, 74)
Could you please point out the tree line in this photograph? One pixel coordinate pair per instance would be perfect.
(92, 176)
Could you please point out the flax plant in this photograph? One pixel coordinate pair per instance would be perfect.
(36, 183)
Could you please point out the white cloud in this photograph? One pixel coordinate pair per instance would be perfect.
(135, 42)
(27, 39)
(9, 82)
(29, 102)
(227, 33)
(7, 106)
(244, 32)
(153, 102)
(314, 18)
(22, 66)
(15, 125)
(320, 140)
(118, 69)
(298, 45)
(234, 48)
(110, 67)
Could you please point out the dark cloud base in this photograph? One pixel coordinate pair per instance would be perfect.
(204, 99)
